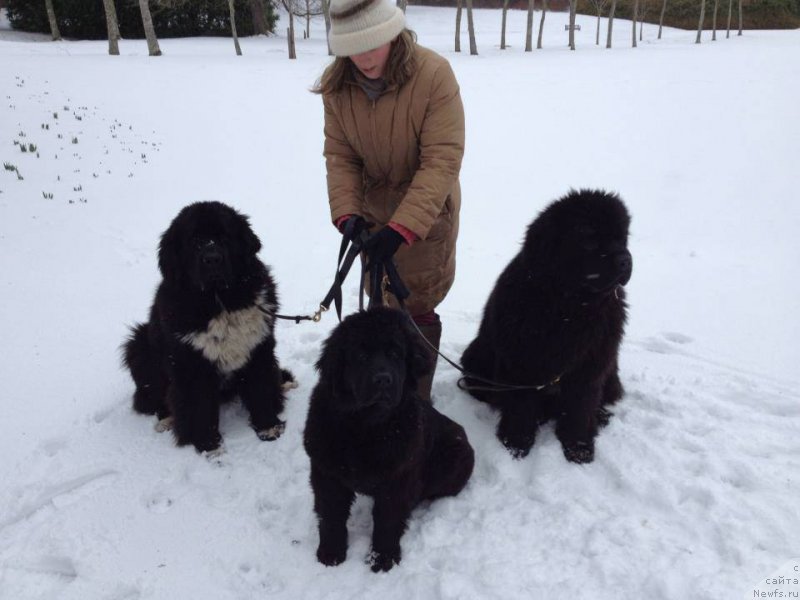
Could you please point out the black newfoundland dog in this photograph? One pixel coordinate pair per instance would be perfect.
(555, 319)
(210, 333)
(368, 432)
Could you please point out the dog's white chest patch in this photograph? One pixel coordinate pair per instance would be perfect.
(231, 336)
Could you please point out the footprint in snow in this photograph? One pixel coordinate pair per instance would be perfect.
(53, 446)
(676, 338)
(159, 503)
(268, 583)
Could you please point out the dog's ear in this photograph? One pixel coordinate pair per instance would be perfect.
(331, 364)
(251, 242)
(169, 253)
(540, 241)
(419, 357)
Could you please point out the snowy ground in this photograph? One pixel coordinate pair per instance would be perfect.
(694, 490)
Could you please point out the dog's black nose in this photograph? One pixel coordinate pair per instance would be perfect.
(211, 257)
(382, 379)
(624, 265)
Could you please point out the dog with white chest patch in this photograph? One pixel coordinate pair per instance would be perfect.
(210, 333)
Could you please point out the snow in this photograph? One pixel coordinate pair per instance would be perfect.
(693, 493)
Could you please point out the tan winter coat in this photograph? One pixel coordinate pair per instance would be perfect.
(397, 159)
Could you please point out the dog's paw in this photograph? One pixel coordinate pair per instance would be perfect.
(273, 433)
(579, 452)
(289, 385)
(215, 454)
(331, 557)
(211, 444)
(288, 381)
(518, 449)
(518, 443)
(603, 416)
(383, 561)
(516, 435)
(165, 424)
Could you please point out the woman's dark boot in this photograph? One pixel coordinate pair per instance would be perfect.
(433, 333)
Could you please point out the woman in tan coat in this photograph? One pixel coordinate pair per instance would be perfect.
(394, 139)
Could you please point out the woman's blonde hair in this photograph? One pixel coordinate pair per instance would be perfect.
(400, 66)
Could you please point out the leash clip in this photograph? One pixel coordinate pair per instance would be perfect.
(318, 315)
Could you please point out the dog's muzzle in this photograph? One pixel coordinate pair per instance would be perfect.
(211, 266)
(623, 262)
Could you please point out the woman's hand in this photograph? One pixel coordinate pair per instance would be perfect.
(383, 245)
(352, 226)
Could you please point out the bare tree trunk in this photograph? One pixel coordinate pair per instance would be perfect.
(740, 17)
(112, 26)
(290, 40)
(458, 25)
(402, 4)
(473, 45)
(635, 19)
(702, 18)
(503, 26)
(730, 14)
(541, 25)
(326, 11)
(611, 22)
(529, 30)
(661, 20)
(51, 16)
(257, 10)
(233, 28)
(573, 8)
(714, 22)
(290, 33)
(149, 30)
(597, 32)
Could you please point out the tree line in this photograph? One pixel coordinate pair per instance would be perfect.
(636, 15)
(91, 19)
(199, 17)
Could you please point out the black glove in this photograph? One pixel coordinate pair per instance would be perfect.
(352, 227)
(382, 246)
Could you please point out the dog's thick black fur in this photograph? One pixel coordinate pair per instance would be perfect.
(368, 432)
(210, 333)
(556, 317)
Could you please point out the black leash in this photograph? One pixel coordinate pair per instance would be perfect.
(395, 285)
(384, 277)
(348, 252)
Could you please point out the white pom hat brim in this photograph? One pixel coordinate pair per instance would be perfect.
(357, 42)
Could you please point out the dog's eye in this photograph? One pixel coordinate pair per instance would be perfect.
(201, 242)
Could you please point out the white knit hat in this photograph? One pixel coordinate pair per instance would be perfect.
(361, 25)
